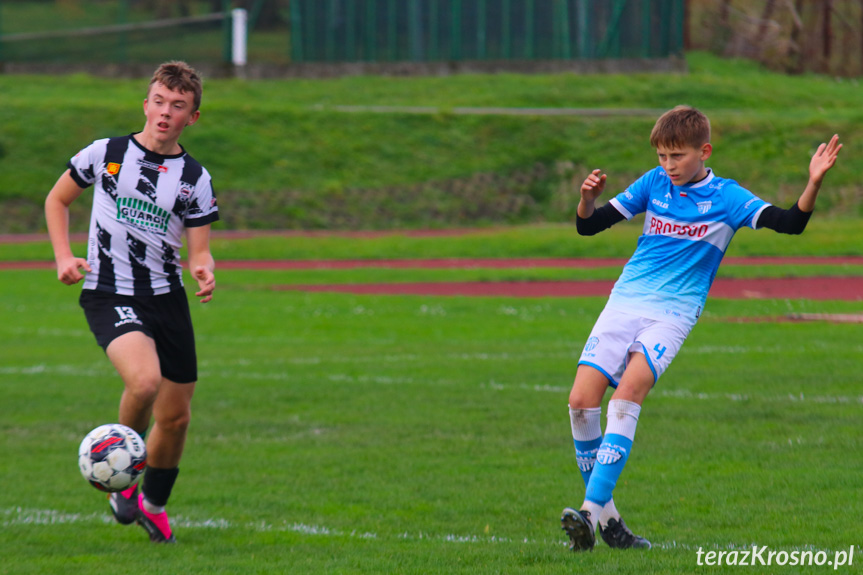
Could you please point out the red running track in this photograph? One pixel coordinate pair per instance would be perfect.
(816, 288)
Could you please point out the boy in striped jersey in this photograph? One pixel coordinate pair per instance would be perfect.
(691, 214)
(147, 192)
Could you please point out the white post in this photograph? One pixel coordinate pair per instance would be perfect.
(239, 36)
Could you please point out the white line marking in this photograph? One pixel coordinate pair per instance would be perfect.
(698, 396)
(20, 516)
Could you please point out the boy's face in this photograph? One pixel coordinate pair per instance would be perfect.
(168, 112)
(684, 164)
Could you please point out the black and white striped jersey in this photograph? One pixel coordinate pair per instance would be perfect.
(142, 201)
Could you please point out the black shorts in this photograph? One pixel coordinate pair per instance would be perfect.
(164, 318)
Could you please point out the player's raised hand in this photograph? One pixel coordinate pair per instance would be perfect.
(593, 186)
(206, 283)
(69, 270)
(824, 158)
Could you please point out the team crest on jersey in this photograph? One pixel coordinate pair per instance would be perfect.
(591, 344)
(704, 207)
(113, 168)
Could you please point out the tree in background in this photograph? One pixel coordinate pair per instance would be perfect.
(794, 36)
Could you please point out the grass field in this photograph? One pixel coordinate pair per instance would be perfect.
(278, 148)
(347, 434)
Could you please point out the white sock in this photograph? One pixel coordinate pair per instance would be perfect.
(622, 418)
(608, 512)
(594, 509)
(152, 509)
(585, 423)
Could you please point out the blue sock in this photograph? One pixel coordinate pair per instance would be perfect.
(614, 450)
(610, 460)
(585, 455)
(587, 437)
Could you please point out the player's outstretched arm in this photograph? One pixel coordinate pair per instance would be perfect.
(823, 159)
(61, 196)
(591, 189)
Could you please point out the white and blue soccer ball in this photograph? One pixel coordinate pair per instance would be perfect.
(112, 457)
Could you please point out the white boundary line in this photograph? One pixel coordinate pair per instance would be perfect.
(698, 396)
(669, 393)
(21, 516)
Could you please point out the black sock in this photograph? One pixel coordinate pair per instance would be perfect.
(158, 484)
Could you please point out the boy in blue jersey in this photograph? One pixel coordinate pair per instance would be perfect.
(690, 217)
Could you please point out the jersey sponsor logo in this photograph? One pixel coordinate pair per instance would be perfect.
(715, 232)
(152, 166)
(113, 168)
(662, 205)
(704, 207)
(143, 215)
(609, 454)
(662, 227)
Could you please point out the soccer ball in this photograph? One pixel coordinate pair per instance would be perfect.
(112, 457)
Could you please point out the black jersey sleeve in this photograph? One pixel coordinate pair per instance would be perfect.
(790, 221)
(601, 219)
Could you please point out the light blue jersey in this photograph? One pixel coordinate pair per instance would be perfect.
(687, 230)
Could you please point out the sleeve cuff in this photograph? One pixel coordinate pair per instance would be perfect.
(202, 221)
(73, 171)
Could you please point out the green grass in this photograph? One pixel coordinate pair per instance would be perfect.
(360, 434)
(824, 236)
(203, 42)
(277, 147)
(364, 434)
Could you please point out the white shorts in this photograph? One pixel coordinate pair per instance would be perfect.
(616, 334)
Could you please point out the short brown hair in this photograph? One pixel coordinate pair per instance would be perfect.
(180, 77)
(679, 127)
